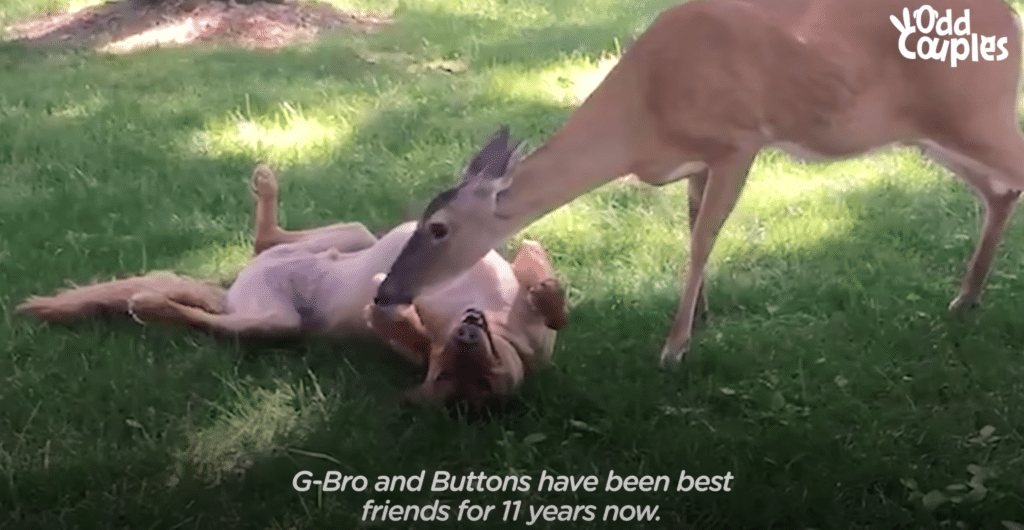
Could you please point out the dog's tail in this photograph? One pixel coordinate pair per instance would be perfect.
(112, 297)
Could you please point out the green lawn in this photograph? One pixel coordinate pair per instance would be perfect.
(830, 381)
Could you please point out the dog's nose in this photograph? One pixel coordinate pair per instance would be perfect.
(469, 334)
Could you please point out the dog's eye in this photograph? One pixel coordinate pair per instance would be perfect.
(438, 230)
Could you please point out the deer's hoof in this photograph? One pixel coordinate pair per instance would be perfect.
(671, 357)
(962, 305)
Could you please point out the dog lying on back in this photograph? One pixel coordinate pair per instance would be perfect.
(478, 336)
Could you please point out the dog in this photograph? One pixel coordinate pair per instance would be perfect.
(478, 336)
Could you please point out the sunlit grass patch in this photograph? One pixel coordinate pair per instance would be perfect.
(808, 202)
(586, 81)
(218, 262)
(566, 82)
(286, 137)
(13, 10)
(81, 109)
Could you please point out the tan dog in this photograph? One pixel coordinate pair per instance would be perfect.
(479, 335)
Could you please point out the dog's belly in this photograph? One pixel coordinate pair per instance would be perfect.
(294, 280)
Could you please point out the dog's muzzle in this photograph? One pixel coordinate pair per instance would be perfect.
(474, 331)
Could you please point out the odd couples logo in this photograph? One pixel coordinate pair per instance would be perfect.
(954, 39)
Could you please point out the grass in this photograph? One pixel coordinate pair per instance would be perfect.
(829, 382)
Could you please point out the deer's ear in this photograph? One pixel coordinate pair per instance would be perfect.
(492, 182)
(497, 185)
(492, 158)
(517, 156)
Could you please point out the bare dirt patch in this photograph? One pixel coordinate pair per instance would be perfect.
(125, 25)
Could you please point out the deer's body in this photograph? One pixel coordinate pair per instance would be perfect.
(712, 82)
(823, 79)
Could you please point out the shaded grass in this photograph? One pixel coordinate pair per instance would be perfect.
(829, 382)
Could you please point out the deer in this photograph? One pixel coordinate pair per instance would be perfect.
(478, 337)
(711, 83)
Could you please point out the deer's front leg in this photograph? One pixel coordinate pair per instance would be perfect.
(724, 182)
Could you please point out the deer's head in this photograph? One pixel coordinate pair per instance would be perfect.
(458, 227)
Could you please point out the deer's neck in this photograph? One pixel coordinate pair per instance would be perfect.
(589, 150)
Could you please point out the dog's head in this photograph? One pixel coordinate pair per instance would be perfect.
(472, 364)
(475, 364)
(476, 361)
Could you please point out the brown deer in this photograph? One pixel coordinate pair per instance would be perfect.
(478, 335)
(713, 82)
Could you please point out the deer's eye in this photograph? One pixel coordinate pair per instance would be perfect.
(438, 230)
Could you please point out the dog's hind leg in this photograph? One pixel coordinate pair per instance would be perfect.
(345, 237)
(112, 297)
(276, 321)
(184, 290)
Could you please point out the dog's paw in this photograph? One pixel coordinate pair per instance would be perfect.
(389, 335)
(264, 182)
(548, 299)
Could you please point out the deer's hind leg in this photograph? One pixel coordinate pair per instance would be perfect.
(695, 194)
(344, 237)
(993, 164)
